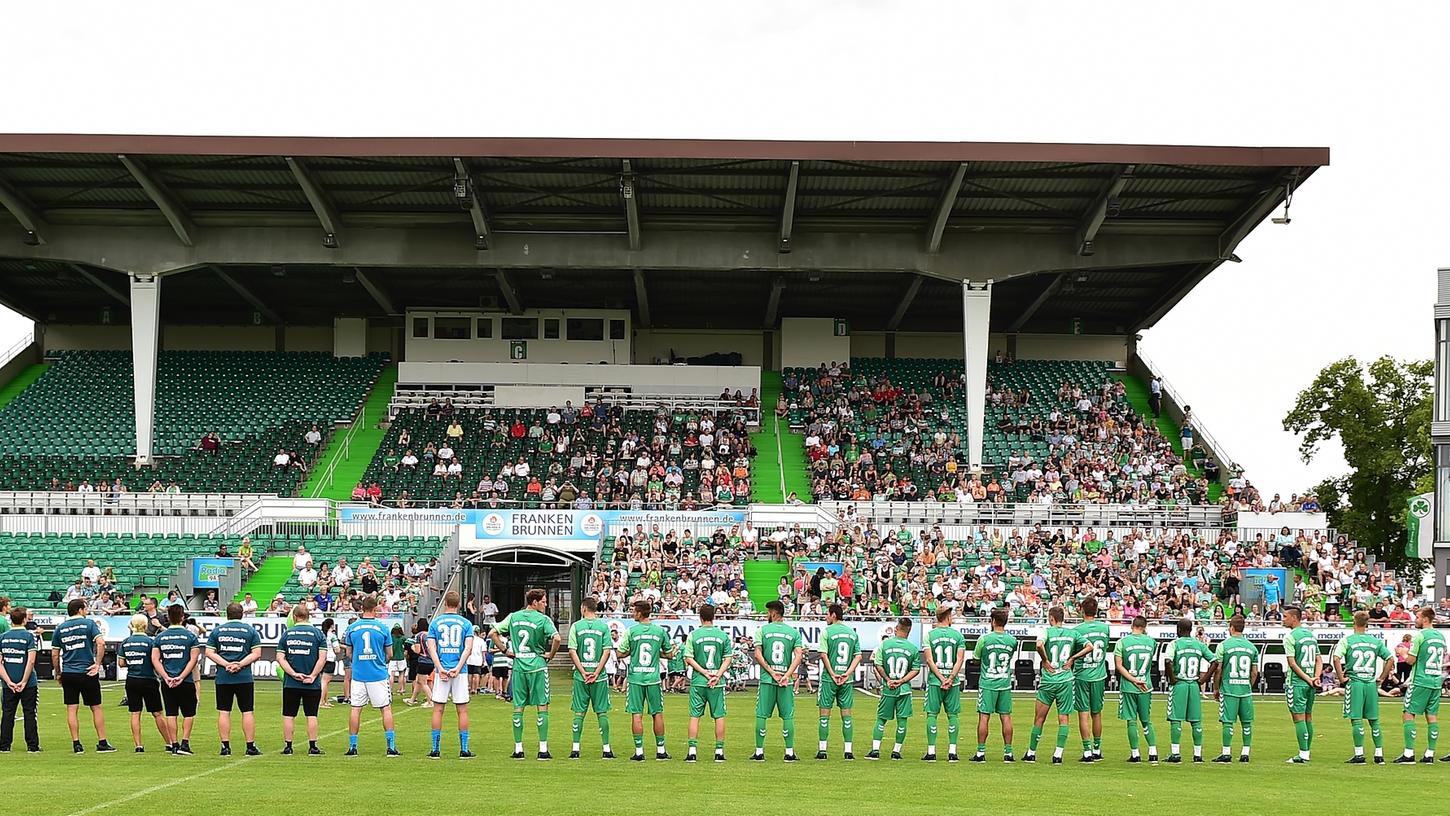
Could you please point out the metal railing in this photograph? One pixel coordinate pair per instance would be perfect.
(76, 503)
(329, 476)
(18, 348)
(1226, 464)
(1026, 514)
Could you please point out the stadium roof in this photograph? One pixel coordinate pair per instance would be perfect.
(687, 233)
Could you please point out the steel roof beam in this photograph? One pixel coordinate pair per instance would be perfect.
(905, 303)
(772, 304)
(248, 295)
(787, 212)
(176, 215)
(629, 191)
(318, 198)
(641, 298)
(375, 289)
(30, 219)
(1046, 295)
(510, 295)
(482, 233)
(115, 293)
(1097, 212)
(943, 211)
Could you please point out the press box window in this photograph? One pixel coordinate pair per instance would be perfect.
(485, 328)
(420, 327)
(616, 330)
(551, 328)
(451, 328)
(519, 328)
(585, 328)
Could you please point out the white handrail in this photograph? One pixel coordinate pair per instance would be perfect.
(1197, 424)
(329, 476)
(20, 345)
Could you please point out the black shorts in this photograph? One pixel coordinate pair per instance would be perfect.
(240, 694)
(180, 700)
(422, 667)
(329, 668)
(81, 688)
(475, 670)
(500, 671)
(306, 699)
(143, 693)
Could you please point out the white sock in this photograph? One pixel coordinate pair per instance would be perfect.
(1087, 753)
(1409, 753)
(790, 752)
(1359, 750)
(543, 746)
(759, 752)
(1134, 753)
(518, 747)
(574, 748)
(1379, 752)
(1244, 751)
(639, 751)
(607, 748)
(951, 747)
(876, 745)
(1303, 754)
(823, 746)
(690, 751)
(1173, 749)
(659, 749)
(848, 747)
(1198, 750)
(896, 748)
(1057, 753)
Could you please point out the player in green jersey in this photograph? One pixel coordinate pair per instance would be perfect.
(1301, 651)
(778, 649)
(896, 662)
(589, 645)
(1058, 648)
(1133, 659)
(995, 653)
(1187, 659)
(944, 651)
(643, 645)
(708, 652)
(1427, 657)
(840, 649)
(1090, 678)
(529, 638)
(1362, 661)
(1231, 679)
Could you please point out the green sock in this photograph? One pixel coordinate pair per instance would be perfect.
(1152, 737)
(1248, 735)
(824, 731)
(1410, 736)
(931, 733)
(846, 728)
(760, 733)
(1198, 735)
(692, 744)
(1133, 735)
(788, 731)
(901, 732)
(1358, 729)
(1036, 735)
(543, 723)
(604, 728)
(1376, 734)
(1309, 733)
(576, 727)
(1062, 736)
(1434, 736)
(1228, 736)
(1097, 745)
(638, 743)
(981, 747)
(954, 722)
(719, 746)
(878, 731)
(1175, 732)
(1301, 734)
(1087, 746)
(518, 725)
(660, 742)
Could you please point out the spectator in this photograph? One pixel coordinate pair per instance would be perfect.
(249, 605)
(279, 607)
(302, 559)
(210, 443)
(313, 438)
(282, 460)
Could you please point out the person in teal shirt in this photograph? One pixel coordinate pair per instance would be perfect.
(300, 653)
(18, 648)
(174, 656)
(233, 647)
(76, 647)
(143, 691)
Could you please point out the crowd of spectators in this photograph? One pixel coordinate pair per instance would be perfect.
(395, 582)
(676, 571)
(869, 439)
(582, 457)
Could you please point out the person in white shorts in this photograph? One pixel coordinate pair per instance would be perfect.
(475, 661)
(398, 661)
(366, 643)
(450, 644)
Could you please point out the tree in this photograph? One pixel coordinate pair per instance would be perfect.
(1382, 419)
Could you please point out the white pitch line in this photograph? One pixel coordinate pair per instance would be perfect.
(183, 780)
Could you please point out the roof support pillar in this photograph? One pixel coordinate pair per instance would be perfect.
(145, 336)
(976, 322)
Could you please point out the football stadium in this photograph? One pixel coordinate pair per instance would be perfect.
(627, 475)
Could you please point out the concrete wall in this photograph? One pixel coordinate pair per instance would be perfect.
(349, 336)
(60, 336)
(810, 341)
(651, 344)
(1072, 347)
(496, 349)
(1029, 346)
(217, 338)
(642, 379)
(311, 338)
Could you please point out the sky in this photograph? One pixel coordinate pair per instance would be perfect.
(1352, 275)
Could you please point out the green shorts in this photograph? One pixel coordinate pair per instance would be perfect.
(896, 707)
(1057, 694)
(773, 698)
(1135, 706)
(1421, 700)
(1300, 698)
(590, 695)
(994, 701)
(944, 697)
(1236, 709)
(703, 697)
(1087, 695)
(1362, 700)
(837, 696)
(641, 697)
(1185, 703)
(530, 688)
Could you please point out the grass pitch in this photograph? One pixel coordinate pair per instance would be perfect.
(58, 783)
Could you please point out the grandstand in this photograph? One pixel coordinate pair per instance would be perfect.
(596, 325)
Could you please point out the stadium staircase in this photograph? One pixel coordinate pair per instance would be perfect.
(22, 381)
(761, 578)
(780, 465)
(342, 467)
(271, 575)
(1137, 393)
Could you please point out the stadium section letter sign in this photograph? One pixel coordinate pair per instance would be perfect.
(206, 573)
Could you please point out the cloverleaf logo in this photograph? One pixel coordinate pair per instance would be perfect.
(1420, 507)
